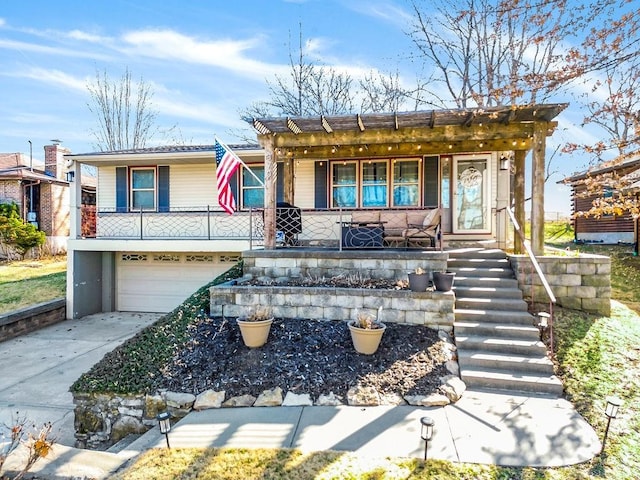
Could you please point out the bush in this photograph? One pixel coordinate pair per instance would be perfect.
(136, 366)
(15, 233)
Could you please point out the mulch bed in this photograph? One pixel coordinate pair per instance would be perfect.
(305, 356)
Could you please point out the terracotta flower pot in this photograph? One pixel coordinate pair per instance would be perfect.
(366, 340)
(254, 332)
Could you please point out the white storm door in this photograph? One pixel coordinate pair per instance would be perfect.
(471, 188)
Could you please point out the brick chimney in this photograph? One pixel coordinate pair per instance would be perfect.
(54, 159)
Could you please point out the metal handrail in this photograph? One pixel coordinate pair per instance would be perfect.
(536, 266)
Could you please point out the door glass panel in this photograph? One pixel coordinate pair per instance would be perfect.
(471, 211)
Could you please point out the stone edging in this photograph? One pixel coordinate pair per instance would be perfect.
(30, 319)
(103, 419)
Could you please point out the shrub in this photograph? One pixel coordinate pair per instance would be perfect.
(16, 233)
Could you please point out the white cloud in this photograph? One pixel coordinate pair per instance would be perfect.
(227, 54)
(387, 11)
(88, 37)
(55, 77)
(2, 22)
(23, 47)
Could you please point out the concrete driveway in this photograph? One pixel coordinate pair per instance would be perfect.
(38, 368)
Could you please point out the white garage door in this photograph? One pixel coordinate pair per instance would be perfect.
(159, 282)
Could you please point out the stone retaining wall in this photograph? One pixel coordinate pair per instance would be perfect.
(32, 318)
(579, 282)
(433, 309)
(387, 264)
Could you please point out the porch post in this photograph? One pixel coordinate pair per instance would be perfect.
(537, 188)
(519, 196)
(270, 176)
(289, 174)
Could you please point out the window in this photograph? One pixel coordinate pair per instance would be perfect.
(374, 184)
(143, 189)
(252, 190)
(406, 183)
(344, 184)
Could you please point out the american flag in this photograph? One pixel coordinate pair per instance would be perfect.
(226, 165)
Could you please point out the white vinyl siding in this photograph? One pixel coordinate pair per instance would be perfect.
(193, 186)
(106, 189)
(305, 185)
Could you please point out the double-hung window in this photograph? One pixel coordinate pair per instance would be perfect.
(252, 190)
(143, 188)
(374, 183)
(406, 183)
(344, 185)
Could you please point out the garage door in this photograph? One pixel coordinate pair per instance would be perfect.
(159, 282)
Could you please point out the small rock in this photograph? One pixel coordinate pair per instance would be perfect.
(431, 400)
(240, 401)
(297, 400)
(331, 400)
(392, 399)
(179, 400)
(363, 396)
(209, 399)
(452, 367)
(453, 387)
(444, 336)
(126, 425)
(269, 398)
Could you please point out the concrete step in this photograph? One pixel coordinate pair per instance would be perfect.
(487, 291)
(471, 359)
(507, 346)
(482, 272)
(472, 252)
(478, 263)
(497, 330)
(498, 282)
(505, 380)
(490, 303)
(518, 317)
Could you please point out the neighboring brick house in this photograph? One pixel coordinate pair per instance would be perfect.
(42, 194)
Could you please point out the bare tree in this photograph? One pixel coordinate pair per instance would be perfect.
(382, 93)
(125, 117)
(489, 52)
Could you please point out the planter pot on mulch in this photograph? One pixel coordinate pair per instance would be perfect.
(443, 281)
(254, 332)
(418, 282)
(366, 340)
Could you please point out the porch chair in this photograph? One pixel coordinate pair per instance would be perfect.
(427, 231)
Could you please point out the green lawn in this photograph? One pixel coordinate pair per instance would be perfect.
(28, 282)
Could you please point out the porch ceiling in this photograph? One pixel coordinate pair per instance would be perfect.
(408, 133)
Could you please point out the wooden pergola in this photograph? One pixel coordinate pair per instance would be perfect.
(519, 129)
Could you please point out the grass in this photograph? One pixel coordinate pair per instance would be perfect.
(597, 357)
(27, 282)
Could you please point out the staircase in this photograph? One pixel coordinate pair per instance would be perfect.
(498, 345)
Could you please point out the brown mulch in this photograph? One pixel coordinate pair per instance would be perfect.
(305, 356)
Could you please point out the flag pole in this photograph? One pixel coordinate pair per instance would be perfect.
(240, 160)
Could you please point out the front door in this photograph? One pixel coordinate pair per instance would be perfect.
(471, 188)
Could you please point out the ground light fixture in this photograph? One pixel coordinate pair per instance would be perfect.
(164, 422)
(426, 432)
(611, 411)
(543, 322)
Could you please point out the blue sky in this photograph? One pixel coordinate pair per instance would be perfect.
(205, 60)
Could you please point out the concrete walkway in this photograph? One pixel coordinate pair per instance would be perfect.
(483, 427)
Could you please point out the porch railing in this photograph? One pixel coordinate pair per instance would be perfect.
(539, 272)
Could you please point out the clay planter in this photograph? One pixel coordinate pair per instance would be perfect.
(254, 332)
(366, 340)
(443, 281)
(418, 282)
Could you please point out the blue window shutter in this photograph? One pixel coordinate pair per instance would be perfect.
(320, 183)
(121, 189)
(431, 181)
(163, 189)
